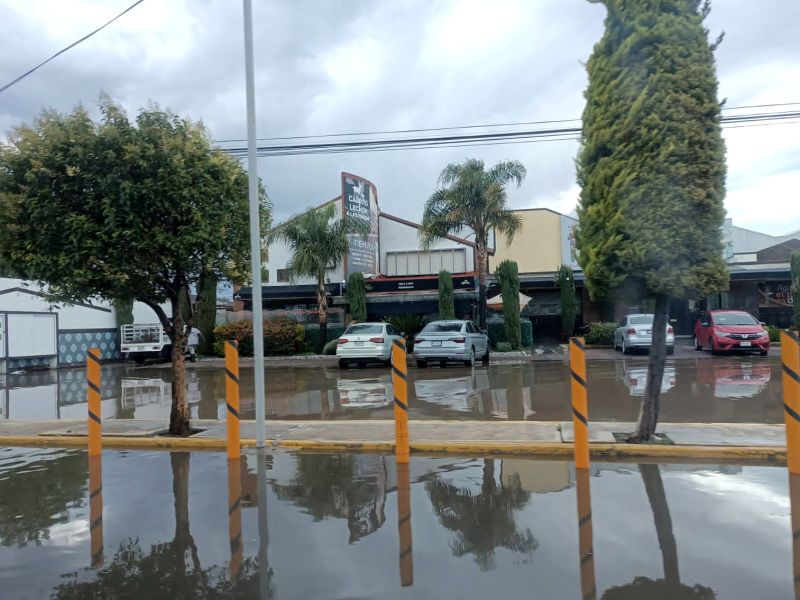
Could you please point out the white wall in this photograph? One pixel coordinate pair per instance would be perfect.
(398, 237)
(738, 240)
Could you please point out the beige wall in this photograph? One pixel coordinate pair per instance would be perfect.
(537, 246)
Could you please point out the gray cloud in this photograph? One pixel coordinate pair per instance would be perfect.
(337, 66)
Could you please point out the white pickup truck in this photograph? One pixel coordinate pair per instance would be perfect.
(149, 340)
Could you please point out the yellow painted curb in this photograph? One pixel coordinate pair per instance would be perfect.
(564, 450)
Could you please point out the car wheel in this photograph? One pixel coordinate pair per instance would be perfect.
(342, 364)
(711, 345)
(422, 364)
(763, 352)
(471, 361)
(485, 357)
(697, 345)
(442, 364)
(625, 349)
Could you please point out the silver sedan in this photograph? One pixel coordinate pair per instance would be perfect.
(635, 332)
(443, 341)
(366, 342)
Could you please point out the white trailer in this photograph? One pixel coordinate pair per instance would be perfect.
(149, 340)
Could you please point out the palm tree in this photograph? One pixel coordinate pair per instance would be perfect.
(474, 198)
(319, 244)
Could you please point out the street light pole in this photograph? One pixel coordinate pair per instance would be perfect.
(255, 228)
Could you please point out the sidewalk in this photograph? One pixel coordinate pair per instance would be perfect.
(747, 442)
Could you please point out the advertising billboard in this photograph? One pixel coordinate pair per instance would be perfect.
(360, 201)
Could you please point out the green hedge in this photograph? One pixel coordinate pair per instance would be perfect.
(504, 347)
(281, 337)
(774, 333)
(312, 335)
(330, 348)
(497, 332)
(601, 334)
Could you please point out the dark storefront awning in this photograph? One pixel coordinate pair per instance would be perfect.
(286, 294)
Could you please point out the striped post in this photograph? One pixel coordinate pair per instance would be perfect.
(404, 525)
(96, 510)
(585, 534)
(400, 386)
(790, 357)
(95, 424)
(580, 404)
(794, 501)
(235, 514)
(232, 397)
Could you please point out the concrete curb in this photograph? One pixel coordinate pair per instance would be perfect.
(564, 450)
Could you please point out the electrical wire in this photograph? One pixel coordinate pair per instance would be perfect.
(72, 45)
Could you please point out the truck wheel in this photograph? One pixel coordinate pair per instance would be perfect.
(343, 364)
(138, 359)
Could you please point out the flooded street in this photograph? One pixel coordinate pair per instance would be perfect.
(327, 526)
(722, 389)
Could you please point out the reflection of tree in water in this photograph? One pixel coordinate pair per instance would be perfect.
(168, 570)
(670, 587)
(484, 521)
(342, 486)
(36, 494)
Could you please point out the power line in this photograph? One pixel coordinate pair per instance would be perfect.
(456, 127)
(480, 139)
(72, 45)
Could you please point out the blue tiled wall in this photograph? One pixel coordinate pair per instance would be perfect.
(73, 346)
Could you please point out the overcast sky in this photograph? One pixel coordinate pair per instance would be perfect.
(351, 65)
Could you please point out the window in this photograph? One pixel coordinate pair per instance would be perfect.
(415, 262)
(470, 328)
(442, 327)
(283, 276)
(733, 319)
(641, 319)
(364, 329)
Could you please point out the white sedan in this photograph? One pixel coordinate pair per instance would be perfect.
(366, 342)
(442, 341)
(635, 332)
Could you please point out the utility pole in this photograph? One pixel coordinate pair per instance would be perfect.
(255, 228)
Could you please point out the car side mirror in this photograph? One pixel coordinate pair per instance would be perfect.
(762, 323)
(704, 323)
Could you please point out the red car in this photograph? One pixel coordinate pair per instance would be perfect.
(729, 331)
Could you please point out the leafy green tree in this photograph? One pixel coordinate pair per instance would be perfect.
(506, 273)
(652, 167)
(207, 312)
(319, 243)
(472, 198)
(447, 309)
(796, 287)
(124, 311)
(482, 521)
(565, 279)
(357, 296)
(122, 209)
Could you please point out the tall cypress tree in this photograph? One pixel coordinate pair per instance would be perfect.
(508, 276)
(652, 166)
(565, 279)
(446, 302)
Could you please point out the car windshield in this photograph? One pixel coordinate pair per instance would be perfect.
(442, 328)
(733, 319)
(641, 319)
(364, 329)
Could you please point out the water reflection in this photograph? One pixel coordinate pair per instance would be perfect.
(694, 390)
(483, 519)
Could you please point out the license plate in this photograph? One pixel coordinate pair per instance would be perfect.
(436, 343)
(745, 344)
(358, 344)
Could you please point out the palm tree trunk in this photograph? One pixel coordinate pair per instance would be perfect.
(648, 419)
(322, 300)
(483, 280)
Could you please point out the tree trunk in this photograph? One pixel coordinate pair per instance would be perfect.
(654, 486)
(179, 415)
(322, 300)
(483, 280)
(648, 419)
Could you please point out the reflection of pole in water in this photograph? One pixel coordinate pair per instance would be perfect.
(794, 499)
(235, 514)
(404, 524)
(96, 510)
(585, 535)
(264, 574)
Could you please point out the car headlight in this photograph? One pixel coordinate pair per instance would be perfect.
(721, 334)
(763, 334)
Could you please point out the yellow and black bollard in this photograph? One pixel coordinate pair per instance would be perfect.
(232, 397)
(790, 357)
(95, 424)
(580, 403)
(400, 386)
(235, 514)
(404, 524)
(96, 510)
(585, 534)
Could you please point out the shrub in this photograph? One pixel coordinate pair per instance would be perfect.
(497, 332)
(312, 335)
(504, 347)
(242, 331)
(601, 334)
(330, 348)
(507, 274)
(774, 333)
(281, 337)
